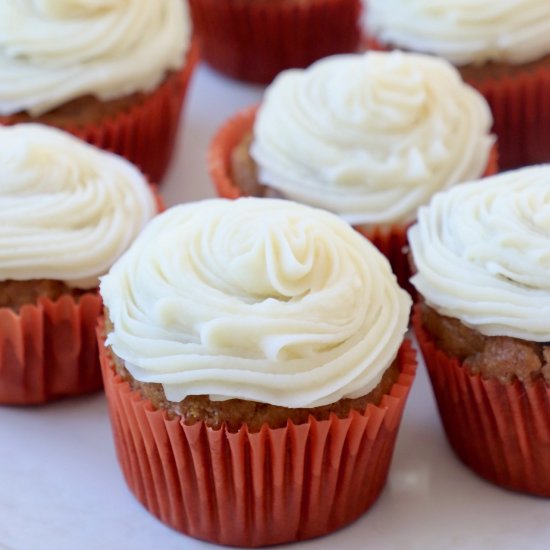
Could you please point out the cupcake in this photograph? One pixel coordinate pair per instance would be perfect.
(500, 48)
(255, 40)
(112, 72)
(255, 369)
(483, 258)
(370, 137)
(68, 211)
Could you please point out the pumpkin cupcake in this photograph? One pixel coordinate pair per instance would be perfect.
(255, 369)
(68, 211)
(113, 72)
(370, 137)
(500, 48)
(482, 255)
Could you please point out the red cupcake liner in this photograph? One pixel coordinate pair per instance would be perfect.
(521, 110)
(520, 103)
(391, 241)
(501, 431)
(255, 489)
(146, 133)
(254, 40)
(49, 350)
(370, 43)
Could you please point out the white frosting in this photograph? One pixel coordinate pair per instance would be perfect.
(482, 251)
(69, 210)
(53, 51)
(464, 31)
(257, 299)
(370, 137)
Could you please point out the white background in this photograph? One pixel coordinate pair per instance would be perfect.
(61, 488)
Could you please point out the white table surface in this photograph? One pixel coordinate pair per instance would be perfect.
(61, 488)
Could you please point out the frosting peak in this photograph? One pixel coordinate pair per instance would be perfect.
(53, 51)
(370, 137)
(256, 299)
(68, 209)
(482, 251)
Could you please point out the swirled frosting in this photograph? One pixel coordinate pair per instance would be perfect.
(69, 210)
(256, 299)
(482, 251)
(370, 137)
(464, 31)
(53, 51)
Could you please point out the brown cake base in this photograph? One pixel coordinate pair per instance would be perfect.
(16, 294)
(500, 357)
(254, 488)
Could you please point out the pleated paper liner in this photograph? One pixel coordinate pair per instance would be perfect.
(49, 350)
(254, 40)
(521, 109)
(391, 241)
(500, 431)
(255, 489)
(145, 134)
(519, 100)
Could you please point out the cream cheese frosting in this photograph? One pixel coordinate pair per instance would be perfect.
(69, 210)
(464, 31)
(482, 251)
(256, 299)
(371, 136)
(53, 51)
